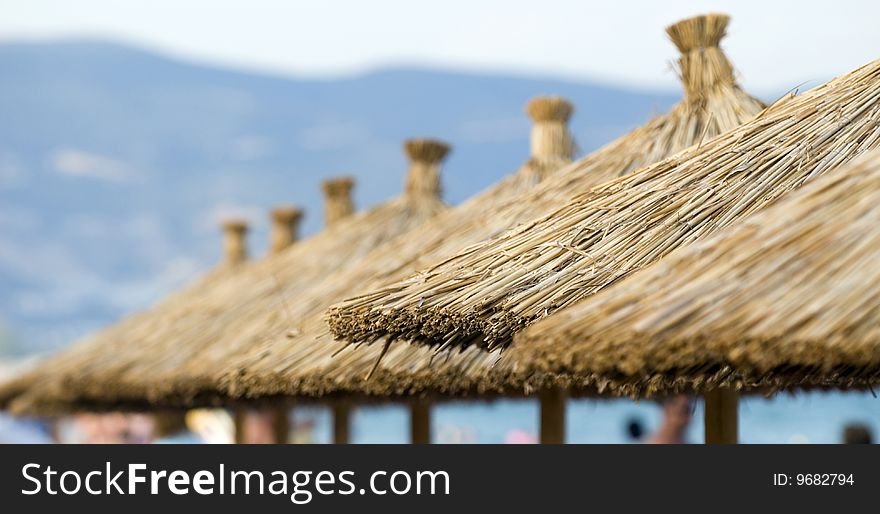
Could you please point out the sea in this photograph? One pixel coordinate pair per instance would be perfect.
(801, 418)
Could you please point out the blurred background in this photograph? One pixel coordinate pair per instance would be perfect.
(130, 129)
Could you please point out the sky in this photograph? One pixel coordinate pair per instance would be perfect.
(775, 45)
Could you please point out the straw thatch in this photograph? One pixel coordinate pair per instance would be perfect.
(786, 299)
(297, 358)
(128, 358)
(490, 291)
(269, 353)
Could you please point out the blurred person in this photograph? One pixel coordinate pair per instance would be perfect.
(92, 428)
(303, 431)
(212, 426)
(857, 433)
(517, 436)
(259, 426)
(677, 414)
(635, 430)
(141, 428)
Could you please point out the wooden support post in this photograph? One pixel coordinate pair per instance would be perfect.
(238, 415)
(721, 416)
(420, 421)
(553, 416)
(281, 423)
(341, 421)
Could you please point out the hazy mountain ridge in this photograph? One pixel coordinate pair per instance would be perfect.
(115, 163)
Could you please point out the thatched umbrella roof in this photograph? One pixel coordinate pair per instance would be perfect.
(166, 344)
(786, 299)
(283, 357)
(487, 293)
(235, 256)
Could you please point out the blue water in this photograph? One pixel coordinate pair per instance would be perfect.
(801, 418)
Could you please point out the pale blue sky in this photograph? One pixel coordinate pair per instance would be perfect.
(775, 44)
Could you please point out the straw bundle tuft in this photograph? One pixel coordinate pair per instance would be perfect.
(550, 108)
(338, 204)
(426, 150)
(285, 227)
(423, 178)
(702, 65)
(286, 214)
(699, 32)
(786, 299)
(234, 241)
(551, 142)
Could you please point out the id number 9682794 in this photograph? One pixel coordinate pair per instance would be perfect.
(813, 479)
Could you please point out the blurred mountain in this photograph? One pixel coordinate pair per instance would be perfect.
(116, 163)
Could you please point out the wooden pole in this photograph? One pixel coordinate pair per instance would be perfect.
(238, 415)
(281, 423)
(420, 421)
(341, 422)
(721, 417)
(552, 416)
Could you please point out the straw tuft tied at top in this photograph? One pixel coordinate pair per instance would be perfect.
(337, 186)
(423, 178)
(430, 151)
(285, 227)
(699, 32)
(552, 144)
(703, 66)
(338, 204)
(234, 244)
(286, 214)
(549, 108)
(235, 226)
